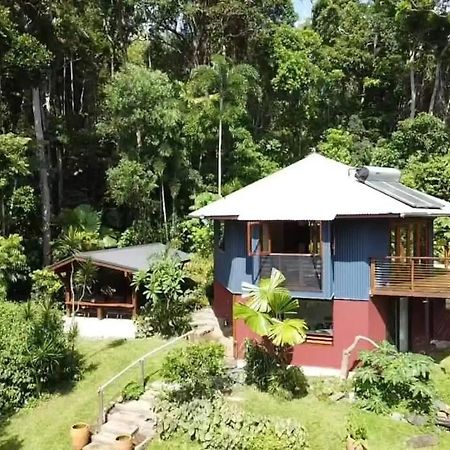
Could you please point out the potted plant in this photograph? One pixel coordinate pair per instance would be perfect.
(124, 442)
(80, 435)
(356, 434)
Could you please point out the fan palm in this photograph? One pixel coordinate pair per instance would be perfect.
(226, 87)
(270, 311)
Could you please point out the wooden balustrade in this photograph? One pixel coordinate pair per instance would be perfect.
(410, 276)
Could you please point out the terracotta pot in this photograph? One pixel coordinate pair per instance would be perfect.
(80, 435)
(124, 442)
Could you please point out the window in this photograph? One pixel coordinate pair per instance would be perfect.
(221, 235)
(318, 315)
(289, 237)
(409, 238)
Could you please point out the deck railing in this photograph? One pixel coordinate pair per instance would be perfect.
(139, 363)
(411, 276)
(303, 272)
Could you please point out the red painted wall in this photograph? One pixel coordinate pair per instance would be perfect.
(350, 318)
(223, 302)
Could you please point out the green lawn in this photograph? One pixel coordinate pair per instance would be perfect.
(46, 426)
(325, 422)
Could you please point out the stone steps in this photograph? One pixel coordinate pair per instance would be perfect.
(135, 418)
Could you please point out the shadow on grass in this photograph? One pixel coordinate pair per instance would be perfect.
(8, 442)
(108, 346)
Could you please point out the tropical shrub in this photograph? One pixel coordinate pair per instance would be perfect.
(264, 371)
(216, 424)
(197, 236)
(81, 230)
(45, 284)
(288, 383)
(198, 370)
(389, 379)
(167, 310)
(270, 311)
(35, 353)
(13, 263)
(260, 364)
(132, 391)
(356, 432)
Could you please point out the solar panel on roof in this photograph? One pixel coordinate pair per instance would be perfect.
(404, 194)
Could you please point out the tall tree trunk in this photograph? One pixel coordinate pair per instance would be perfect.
(72, 91)
(412, 80)
(60, 174)
(437, 79)
(43, 175)
(219, 152)
(164, 210)
(435, 87)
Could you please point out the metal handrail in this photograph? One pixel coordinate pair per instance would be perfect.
(102, 413)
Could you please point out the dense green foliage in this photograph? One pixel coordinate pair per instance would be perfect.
(132, 391)
(263, 370)
(198, 370)
(215, 424)
(35, 354)
(389, 379)
(169, 301)
(129, 107)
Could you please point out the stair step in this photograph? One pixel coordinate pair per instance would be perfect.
(150, 395)
(116, 427)
(143, 406)
(96, 446)
(104, 438)
(130, 416)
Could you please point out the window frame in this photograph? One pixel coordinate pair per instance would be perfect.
(221, 242)
(316, 239)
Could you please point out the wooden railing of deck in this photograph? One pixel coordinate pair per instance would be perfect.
(410, 276)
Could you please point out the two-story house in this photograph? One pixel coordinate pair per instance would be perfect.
(355, 246)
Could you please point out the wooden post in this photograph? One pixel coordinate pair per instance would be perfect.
(412, 274)
(372, 276)
(427, 323)
(134, 301)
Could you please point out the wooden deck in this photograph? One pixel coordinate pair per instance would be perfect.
(411, 277)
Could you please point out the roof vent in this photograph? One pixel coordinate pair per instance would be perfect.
(371, 173)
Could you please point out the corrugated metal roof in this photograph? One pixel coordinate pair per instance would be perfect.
(315, 188)
(133, 258)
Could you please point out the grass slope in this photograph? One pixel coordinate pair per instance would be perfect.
(46, 426)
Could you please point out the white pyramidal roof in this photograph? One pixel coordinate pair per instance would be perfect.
(314, 188)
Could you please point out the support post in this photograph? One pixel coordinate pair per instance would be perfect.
(412, 274)
(101, 409)
(134, 301)
(372, 276)
(142, 370)
(427, 323)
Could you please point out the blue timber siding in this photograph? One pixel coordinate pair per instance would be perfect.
(232, 266)
(356, 241)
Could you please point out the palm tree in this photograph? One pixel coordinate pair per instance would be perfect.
(227, 87)
(270, 311)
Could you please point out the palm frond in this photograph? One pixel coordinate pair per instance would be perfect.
(288, 332)
(259, 322)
